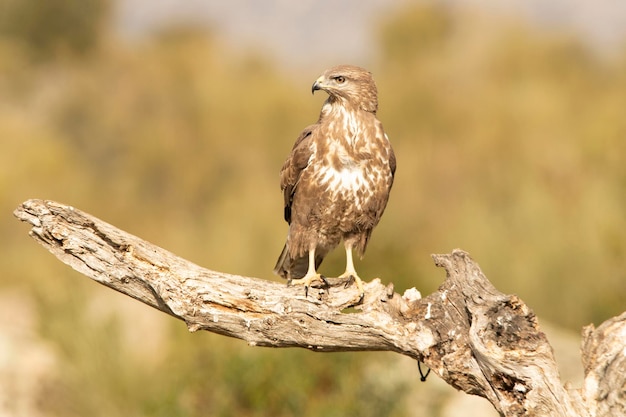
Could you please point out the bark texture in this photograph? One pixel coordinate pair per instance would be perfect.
(471, 335)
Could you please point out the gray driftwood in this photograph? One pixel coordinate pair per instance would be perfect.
(472, 336)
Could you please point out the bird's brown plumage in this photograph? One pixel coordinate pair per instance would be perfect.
(337, 178)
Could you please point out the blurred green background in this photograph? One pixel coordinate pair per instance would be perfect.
(511, 144)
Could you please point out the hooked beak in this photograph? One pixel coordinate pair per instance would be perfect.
(317, 85)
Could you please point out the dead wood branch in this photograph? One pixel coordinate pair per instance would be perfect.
(474, 337)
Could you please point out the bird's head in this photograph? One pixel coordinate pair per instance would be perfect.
(349, 84)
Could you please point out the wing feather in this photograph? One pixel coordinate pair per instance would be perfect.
(294, 165)
(392, 161)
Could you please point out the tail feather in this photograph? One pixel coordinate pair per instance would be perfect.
(290, 268)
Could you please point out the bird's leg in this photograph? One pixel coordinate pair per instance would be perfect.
(310, 276)
(351, 272)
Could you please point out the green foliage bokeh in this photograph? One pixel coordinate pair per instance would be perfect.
(511, 144)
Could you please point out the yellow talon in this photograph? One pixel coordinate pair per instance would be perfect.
(307, 280)
(359, 283)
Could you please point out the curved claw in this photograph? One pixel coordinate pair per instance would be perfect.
(351, 276)
(306, 281)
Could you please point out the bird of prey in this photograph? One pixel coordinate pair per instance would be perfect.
(337, 178)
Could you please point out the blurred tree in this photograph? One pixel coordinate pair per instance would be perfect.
(418, 31)
(505, 135)
(51, 26)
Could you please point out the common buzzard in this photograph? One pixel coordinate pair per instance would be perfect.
(337, 179)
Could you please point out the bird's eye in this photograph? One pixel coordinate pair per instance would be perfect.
(340, 79)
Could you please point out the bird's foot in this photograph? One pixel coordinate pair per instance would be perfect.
(307, 280)
(351, 276)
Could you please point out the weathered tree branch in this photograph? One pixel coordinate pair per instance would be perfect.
(474, 337)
